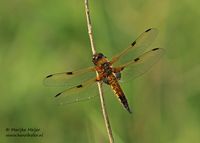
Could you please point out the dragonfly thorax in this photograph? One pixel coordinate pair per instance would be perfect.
(107, 69)
(103, 66)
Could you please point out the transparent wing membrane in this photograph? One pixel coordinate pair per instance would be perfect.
(69, 79)
(80, 92)
(77, 89)
(141, 64)
(138, 47)
(73, 95)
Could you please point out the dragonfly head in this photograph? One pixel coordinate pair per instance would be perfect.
(97, 57)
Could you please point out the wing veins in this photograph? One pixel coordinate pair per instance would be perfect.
(64, 77)
(77, 88)
(142, 57)
(142, 42)
(138, 66)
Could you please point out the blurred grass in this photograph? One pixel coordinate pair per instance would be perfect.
(42, 37)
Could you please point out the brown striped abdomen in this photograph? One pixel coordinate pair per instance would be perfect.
(118, 91)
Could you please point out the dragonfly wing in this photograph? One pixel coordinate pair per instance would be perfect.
(69, 79)
(138, 46)
(139, 65)
(84, 91)
(78, 88)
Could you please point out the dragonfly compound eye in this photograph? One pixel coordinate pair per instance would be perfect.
(97, 57)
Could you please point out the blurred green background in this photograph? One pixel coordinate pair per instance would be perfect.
(40, 37)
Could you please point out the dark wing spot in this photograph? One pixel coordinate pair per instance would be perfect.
(49, 76)
(79, 86)
(69, 73)
(133, 43)
(148, 30)
(58, 94)
(136, 59)
(155, 49)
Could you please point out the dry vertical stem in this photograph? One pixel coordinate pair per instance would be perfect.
(105, 115)
(89, 25)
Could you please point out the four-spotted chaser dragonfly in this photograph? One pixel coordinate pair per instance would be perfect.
(109, 72)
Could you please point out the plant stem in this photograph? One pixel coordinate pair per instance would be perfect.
(103, 106)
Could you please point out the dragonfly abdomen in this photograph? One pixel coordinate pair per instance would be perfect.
(118, 92)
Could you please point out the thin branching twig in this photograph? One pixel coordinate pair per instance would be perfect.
(105, 115)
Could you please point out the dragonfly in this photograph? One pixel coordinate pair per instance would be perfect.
(111, 72)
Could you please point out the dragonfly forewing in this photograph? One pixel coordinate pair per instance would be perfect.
(138, 47)
(69, 79)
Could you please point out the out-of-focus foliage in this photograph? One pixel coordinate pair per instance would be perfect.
(39, 37)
